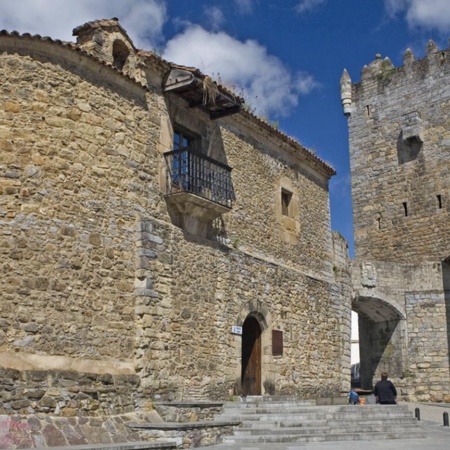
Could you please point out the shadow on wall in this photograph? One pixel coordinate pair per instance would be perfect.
(378, 350)
(446, 284)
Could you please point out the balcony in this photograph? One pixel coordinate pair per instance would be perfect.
(197, 186)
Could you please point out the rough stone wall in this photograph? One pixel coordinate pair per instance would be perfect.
(392, 109)
(342, 303)
(186, 329)
(75, 171)
(75, 167)
(96, 279)
(67, 393)
(399, 141)
(403, 327)
(257, 224)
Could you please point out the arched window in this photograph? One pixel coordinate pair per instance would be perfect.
(120, 54)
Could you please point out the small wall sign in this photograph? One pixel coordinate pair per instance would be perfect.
(236, 330)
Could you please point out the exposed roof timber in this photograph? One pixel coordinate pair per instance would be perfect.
(210, 98)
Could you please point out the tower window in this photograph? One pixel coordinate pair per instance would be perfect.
(286, 198)
(405, 209)
(439, 201)
(379, 222)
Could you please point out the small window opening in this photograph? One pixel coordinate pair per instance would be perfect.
(379, 223)
(368, 110)
(286, 198)
(439, 200)
(405, 208)
(120, 54)
(277, 343)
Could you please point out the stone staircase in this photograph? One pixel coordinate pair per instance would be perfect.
(287, 420)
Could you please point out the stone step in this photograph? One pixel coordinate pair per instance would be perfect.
(380, 428)
(288, 423)
(273, 422)
(322, 437)
(275, 401)
(140, 445)
(300, 418)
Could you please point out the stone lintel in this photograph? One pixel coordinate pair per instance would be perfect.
(28, 361)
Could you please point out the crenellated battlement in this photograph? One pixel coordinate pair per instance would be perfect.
(382, 76)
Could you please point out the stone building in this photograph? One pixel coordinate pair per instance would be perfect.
(156, 239)
(399, 131)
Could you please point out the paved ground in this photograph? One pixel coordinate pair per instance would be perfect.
(431, 421)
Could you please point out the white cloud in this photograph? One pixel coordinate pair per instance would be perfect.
(245, 6)
(422, 13)
(215, 17)
(308, 5)
(267, 84)
(143, 19)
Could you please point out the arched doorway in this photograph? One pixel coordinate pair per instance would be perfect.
(251, 357)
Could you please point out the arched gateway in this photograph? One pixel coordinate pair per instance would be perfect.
(382, 339)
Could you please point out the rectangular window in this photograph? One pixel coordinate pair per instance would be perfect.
(286, 198)
(180, 162)
(439, 201)
(277, 343)
(181, 140)
(405, 209)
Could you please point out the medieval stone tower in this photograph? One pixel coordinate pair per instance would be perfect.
(399, 132)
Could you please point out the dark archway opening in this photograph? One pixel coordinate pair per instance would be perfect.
(251, 357)
(381, 340)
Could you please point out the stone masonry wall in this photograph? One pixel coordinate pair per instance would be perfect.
(391, 171)
(411, 342)
(186, 334)
(257, 223)
(100, 286)
(67, 393)
(74, 170)
(399, 142)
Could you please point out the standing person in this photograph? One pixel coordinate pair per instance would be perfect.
(385, 392)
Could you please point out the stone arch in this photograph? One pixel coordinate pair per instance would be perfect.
(253, 317)
(382, 339)
(120, 53)
(257, 309)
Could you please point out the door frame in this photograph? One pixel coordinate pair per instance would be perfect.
(251, 356)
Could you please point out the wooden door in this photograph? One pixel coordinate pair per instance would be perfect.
(251, 357)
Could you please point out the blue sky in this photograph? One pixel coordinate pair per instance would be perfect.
(285, 56)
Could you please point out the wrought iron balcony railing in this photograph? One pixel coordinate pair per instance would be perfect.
(193, 172)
